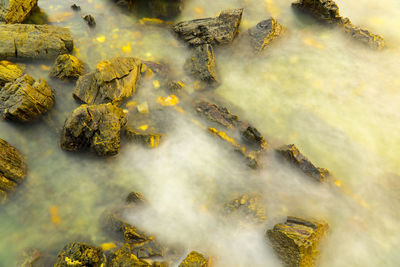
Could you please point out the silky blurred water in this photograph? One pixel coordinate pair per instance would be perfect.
(338, 101)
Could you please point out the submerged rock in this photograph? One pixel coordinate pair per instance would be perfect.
(12, 169)
(113, 81)
(296, 241)
(247, 207)
(363, 35)
(218, 31)
(67, 67)
(146, 137)
(75, 7)
(90, 20)
(264, 33)
(34, 41)
(9, 72)
(25, 99)
(194, 259)
(16, 11)
(292, 155)
(97, 127)
(81, 254)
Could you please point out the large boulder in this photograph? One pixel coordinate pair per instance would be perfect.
(97, 127)
(16, 11)
(201, 65)
(194, 259)
(67, 67)
(264, 33)
(25, 99)
(219, 30)
(113, 81)
(12, 169)
(34, 41)
(296, 241)
(81, 255)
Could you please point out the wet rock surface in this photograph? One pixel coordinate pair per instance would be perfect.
(28, 41)
(67, 67)
(146, 137)
(217, 31)
(113, 81)
(12, 169)
(296, 241)
(25, 99)
(194, 259)
(9, 72)
(292, 155)
(90, 20)
(95, 127)
(247, 207)
(16, 11)
(81, 254)
(264, 33)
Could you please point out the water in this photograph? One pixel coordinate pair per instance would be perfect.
(336, 100)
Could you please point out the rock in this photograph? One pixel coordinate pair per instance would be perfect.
(34, 41)
(16, 11)
(215, 113)
(135, 198)
(74, 7)
(81, 254)
(113, 81)
(296, 241)
(97, 127)
(12, 169)
(90, 20)
(201, 64)
(253, 137)
(292, 155)
(124, 258)
(67, 67)
(216, 31)
(9, 72)
(247, 207)
(25, 99)
(362, 35)
(264, 33)
(194, 259)
(146, 137)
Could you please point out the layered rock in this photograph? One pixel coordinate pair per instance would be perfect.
(113, 81)
(264, 33)
(16, 11)
(247, 207)
(296, 241)
(25, 99)
(216, 31)
(81, 254)
(12, 169)
(292, 155)
(146, 136)
(34, 41)
(194, 259)
(95, 127)
(67, 67)
(9, 72)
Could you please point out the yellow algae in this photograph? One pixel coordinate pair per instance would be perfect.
(54, 215)
(107, 246)
(311, 42)
(151, 21)
(199, 11)
(44, 67)
(223, 136)
(170, 100)
(127, 48)
(143, 127)
(156, 84)
(101, 38)
(338, 183)
(130, 104)
(72, 262)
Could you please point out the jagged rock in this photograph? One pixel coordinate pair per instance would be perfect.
(9, 72)
(67, 67)
(194, 259)
(219, 30)
(113, 81)
(25, 99)
(292, 154)
(247, 207)
(97, 127)
(90, 20)
(81, 254)
(146, 137)
(253, 137)
(123, 257)
(34, 41)
(201, 64)
(362, 35)
(12, 169)
(296, 241)
(176, 87)
(16, 11)
(264, 33)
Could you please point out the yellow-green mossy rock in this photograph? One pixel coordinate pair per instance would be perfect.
(194, 259)
(81, 255)
(16, 11)
(67, 67)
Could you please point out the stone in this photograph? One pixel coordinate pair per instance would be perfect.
(16, 11)
(264, 33)
(113, 81)
(9, 72)
(81, 254)
(67, 67)
(296, 241)
(215, 113)
(247, 207)
(25, 99)
(12, 169)
(325, 10)
(217, 31)
(201, 65)
(292, 155)
(135, 198)
(363, 35)
(123, 257)
(95, 127)
(90, 20)
(194, 259)
(146, 137)
(75, 7)
(28, 41)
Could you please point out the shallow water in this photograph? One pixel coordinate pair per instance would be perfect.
(336, 100)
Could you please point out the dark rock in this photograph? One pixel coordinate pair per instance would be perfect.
(74, 7)
(113, 81)
(194, 259)
(292, 155)
(34, 41)
(90, 20)
(264, 33)
(247, 207)
(12, 169)
(296, 241)
(362, 35)
(67, 67)
(9, 72)
(16, 11)
(80, 254)
(97, 127)
(146, 137)
(25, 99)
(218, 114)
(135, 198)
(253, 137)
(219, 30)
(325, 10)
